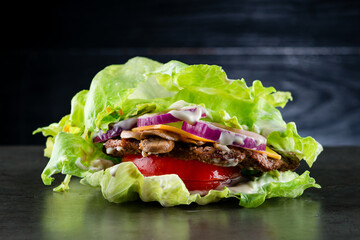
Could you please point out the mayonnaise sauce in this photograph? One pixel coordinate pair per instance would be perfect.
(226, 138)
(100, 164)
(230, 138)
(243, 188)
(113, 169)
(80, 165)
(110, 150)
(221, 147)
(188, 116)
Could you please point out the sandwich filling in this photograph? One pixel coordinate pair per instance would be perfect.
(168, 144)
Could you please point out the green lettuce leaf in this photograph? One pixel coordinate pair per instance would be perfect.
(111, 87)
(77, 109)
(51, 131)
(64, 186)
(275, 98)
(67, 150)
(124, 182)
(291, 145)
(212, 77)
(49, 147)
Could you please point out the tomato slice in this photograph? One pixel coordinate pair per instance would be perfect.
(196, 175)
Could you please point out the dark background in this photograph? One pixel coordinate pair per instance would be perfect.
(51, 50)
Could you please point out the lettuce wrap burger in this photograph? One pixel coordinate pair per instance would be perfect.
(176, 134)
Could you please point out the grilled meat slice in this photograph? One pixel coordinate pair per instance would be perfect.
(229, 156)
(122, 147)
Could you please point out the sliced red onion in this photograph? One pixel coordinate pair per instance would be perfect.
(115, 130)
(190, 115)
(240, 138)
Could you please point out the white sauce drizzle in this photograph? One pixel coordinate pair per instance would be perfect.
(200, 192)
(260, 141)
(239, 139)
(221, 147)
(255, 186)
(226, 138)
(188, 116)
(100, 164)
(110, 150)
(232, 162)
(230, 138)
(96, 165)
(80, 165)
(113, 169)
(243, 188)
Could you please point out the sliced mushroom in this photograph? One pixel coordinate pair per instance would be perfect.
(130, 134)
(160, 133)
(156, 145)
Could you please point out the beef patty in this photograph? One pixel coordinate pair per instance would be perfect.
(208, 153)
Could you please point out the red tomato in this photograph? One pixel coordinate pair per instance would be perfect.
(196, 175)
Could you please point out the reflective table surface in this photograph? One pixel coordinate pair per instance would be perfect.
(30, 210)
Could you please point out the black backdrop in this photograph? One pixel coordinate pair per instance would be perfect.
(53, 49)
